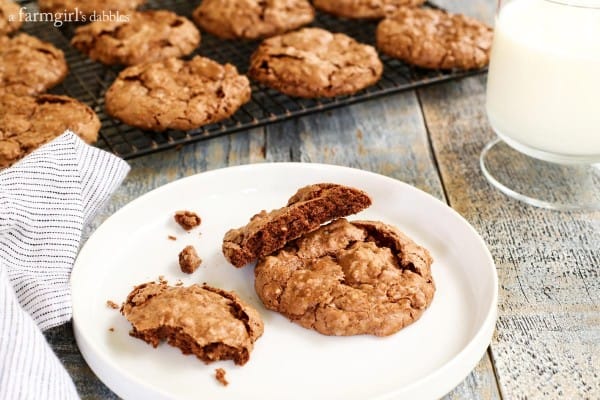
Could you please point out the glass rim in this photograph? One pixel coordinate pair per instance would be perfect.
(591, 4)
(588, 4)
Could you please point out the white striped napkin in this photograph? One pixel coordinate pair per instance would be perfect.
(45, 201)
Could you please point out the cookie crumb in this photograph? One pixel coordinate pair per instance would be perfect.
(161, 279)
(220, 376)
(189, 260)
(112, 304)
(187, 219)
(111, 329)
(171, 237)
(179, 282)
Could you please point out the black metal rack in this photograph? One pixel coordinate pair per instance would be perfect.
(88, 81)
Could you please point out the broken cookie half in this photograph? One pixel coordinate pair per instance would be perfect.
(305, 212)
(211, 323)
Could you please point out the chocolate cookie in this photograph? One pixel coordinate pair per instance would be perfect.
(431, 38)
(146, 36)
(348, 278)
(305, 212)
(252, 19)
(88, 7)
(10, 20)
(371, 9)
(208, 322)
(313, 62)
(29, 66)
(176, 94)
(29, 122)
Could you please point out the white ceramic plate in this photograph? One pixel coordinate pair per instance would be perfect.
(425, 360)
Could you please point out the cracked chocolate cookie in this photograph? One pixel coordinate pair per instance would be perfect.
(89, 7)
(305, 212)
(176, 94)
(368, 9)
(28, 122)
(210, 323)
(434, 39)
(29, 66)
(252, 19)
(146, 36)
(348, 278)
(313, 62)
(9, 17)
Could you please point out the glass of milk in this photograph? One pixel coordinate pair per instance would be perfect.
(543, 102)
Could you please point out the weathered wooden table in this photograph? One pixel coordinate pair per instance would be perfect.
(547, 339)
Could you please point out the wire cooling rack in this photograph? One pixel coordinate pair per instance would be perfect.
(88, 81)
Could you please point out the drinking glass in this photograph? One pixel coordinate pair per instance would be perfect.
(543, 102)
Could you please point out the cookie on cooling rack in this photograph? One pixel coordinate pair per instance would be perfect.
(9, 17)
(368, 9)
(176, 94)
(29, 66)
(252, 19)
(146, 36)
(348, 278)
(313, 62)
(210, 323)
(88, 7)
(435, 39)
(28, 122)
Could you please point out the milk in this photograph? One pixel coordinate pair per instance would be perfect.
(543, 90)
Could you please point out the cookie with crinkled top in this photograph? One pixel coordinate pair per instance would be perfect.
(435, 39)
(210, 323)
(348, 278)
(28, 122)
(313, 62)
(146, 36)
(29, 66)
(252, 19)
(176, 94)
(368, 9)
(10, 20)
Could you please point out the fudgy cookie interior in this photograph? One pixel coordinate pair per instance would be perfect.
(309, 208)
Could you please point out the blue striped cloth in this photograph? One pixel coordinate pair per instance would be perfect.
(45, 201)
